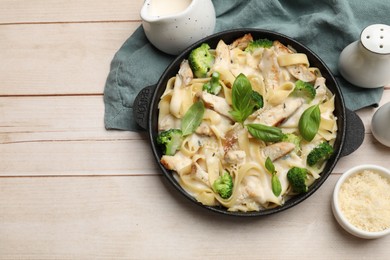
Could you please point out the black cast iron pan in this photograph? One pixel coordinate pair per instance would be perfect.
(350, 127)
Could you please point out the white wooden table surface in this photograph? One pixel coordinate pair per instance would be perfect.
(69, 189)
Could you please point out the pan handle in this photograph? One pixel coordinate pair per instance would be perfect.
(354, 135)
(141, 106)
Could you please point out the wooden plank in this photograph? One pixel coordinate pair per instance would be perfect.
(124, 157)
(93, 157)
(56, 118)
(47, 59)
(144, 218)
(54, 11)
(370, 152)
(65, 136)
(51, 118)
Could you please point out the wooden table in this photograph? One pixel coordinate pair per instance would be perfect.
(71, 189)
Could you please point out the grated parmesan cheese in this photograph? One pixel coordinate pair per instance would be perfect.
(365, 201)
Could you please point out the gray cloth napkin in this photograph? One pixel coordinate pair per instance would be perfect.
(325, 26)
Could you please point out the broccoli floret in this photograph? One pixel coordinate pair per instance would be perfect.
(170, 140)
(292, 138)
(319, 154)
(201, 60)
(261, 43)
(257, 100)
(224, 185)
(297, 177)
(213, 86)
(304, 88)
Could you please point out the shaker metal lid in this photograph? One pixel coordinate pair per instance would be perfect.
(376, 38)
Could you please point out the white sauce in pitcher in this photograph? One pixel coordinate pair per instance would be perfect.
(167, 7)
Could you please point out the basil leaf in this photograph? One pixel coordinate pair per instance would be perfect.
(275, 182)
(192, 118)
(276, 186)
(241, 98)
(269, 165)
(309, 123)
(257, 100)
(265, 133)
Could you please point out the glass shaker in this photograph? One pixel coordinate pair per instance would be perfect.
(366, 62)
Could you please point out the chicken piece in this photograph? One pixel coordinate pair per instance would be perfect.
(231, 138)
(252, 188)
(273, 116)
(277, 150)
(249, 194)
(252, 196)
(281, 48)
(242, 42)
(178, 162)
(235, 156)
(204, 129)
(270, 68)
(200, 174)
(213, 124)
(299, 71)
(216, 103)
(185, 72)
(223, 63)
(320, 87)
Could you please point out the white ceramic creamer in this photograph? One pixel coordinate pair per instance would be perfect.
(366, 63)
(173, 25)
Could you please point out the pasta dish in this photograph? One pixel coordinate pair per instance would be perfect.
(246, 125)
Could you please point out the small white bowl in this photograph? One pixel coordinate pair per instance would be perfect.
(339, 215)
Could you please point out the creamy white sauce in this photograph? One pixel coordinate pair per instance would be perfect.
(167, 7)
